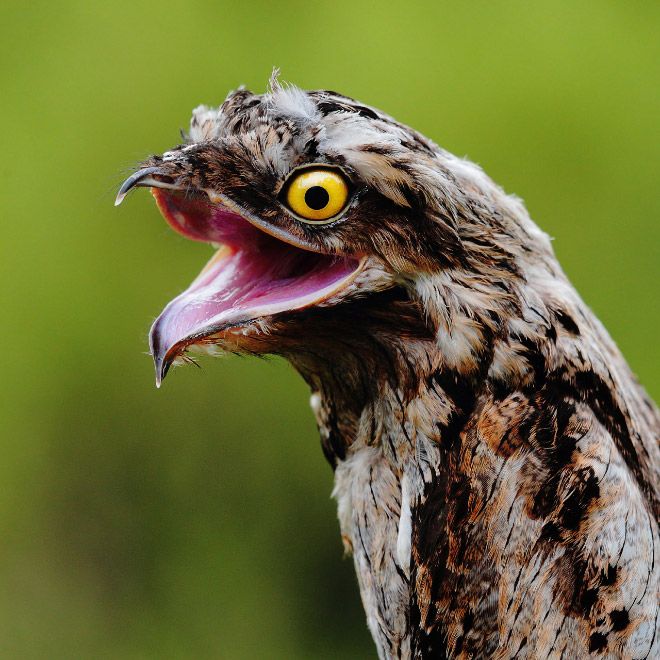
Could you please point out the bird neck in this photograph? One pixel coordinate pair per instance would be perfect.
(385, 379)
(416, 359)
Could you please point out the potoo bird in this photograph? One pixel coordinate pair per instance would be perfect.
(495, 460)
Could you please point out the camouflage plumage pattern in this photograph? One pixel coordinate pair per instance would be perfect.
(496, 462)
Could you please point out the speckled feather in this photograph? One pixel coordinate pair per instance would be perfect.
(496, 462)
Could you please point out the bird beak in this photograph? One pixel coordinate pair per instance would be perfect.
(253, 275)
(145, 178)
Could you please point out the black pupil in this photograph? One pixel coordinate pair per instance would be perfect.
(317, 198)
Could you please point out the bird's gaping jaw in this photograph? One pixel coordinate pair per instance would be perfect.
(256, 273)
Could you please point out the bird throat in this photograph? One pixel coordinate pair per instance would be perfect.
(375, 371)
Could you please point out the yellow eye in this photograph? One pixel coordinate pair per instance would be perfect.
(317, 194)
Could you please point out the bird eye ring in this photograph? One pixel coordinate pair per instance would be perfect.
(316, 195)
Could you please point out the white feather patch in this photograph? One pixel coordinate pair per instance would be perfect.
(404, 536)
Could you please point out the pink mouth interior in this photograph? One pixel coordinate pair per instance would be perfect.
(251, 276)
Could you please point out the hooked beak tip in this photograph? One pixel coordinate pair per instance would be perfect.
(141, 178)
(162, 359)
(162, 367)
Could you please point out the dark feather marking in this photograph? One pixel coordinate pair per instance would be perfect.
(609, 578)
(371, 485)
(461, 393)
(623, 544)
(515, 586)
(576, 504)
(335, 446)
(649, 569)
(521, 604)
(401, 574)
(386, 635)
(430, 549)
(567, 322)
(402, 421)
(588, 387)
(620, 619)
(364, 547)
(492, 489)
(554, 641)
(312, 149)
(597, 642)
(508, 537)
(522, 645)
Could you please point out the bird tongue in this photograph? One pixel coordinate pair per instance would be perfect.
(252, 275)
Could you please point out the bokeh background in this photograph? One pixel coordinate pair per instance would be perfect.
(195, 521)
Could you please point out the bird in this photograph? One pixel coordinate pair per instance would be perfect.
(495, 459)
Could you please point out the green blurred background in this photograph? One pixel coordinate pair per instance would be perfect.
(195, 521)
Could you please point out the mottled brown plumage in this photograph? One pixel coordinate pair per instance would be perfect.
(496, 462)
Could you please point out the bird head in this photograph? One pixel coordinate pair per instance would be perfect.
(329, 218)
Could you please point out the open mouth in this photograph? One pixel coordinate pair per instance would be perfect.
(251, 276)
